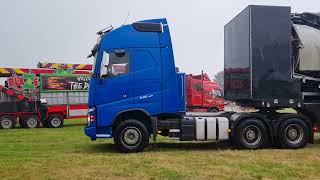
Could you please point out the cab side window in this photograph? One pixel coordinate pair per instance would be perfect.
(115, 63)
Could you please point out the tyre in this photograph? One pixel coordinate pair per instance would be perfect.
(251, 134)
(31, 121)
(293, 133)
(131, 136)
(7, 122)
(55, 121)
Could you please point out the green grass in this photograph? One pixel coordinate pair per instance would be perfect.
(67, 153)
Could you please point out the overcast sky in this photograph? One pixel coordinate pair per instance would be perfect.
(64, 30)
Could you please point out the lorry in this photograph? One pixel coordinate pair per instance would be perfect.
(203, 95)
(264, 53)
(63, 93)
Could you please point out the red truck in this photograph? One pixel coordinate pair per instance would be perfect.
(203, 95)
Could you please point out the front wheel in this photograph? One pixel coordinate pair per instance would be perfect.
(251, 134)
(293, 133)
(131, 136)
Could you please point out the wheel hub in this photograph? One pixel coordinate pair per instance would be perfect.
(294, 133)
(6, 123)
(56, 122)
(32, 123)
(251, 135)
(131, 136)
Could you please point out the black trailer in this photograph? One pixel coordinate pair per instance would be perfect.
(262, 69)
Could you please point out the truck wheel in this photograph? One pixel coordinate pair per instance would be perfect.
(7, 122)
(55, 121)
(251, 134)
(131, 136)
(293, 133)
(31, 122)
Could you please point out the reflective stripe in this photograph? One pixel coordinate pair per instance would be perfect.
(78, 112)
(103, 135)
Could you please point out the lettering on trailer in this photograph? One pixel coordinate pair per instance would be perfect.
(64, 83)
(26, 81)
(82, 83)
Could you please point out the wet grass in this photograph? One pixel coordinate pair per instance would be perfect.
(67, 153)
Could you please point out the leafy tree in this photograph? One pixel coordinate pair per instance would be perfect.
(219, 78)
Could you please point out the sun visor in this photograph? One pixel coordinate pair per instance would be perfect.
(309, 54)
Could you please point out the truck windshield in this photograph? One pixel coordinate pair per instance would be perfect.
(115, 64)
(217, 93)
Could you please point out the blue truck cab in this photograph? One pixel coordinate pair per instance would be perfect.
(134, 78)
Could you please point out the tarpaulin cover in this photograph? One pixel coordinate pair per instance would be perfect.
(309, 54)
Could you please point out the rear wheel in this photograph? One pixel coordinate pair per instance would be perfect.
(131, 136)
(55, 121)
(7, 122)
(293, 133)
(251, 134)
(31, 121)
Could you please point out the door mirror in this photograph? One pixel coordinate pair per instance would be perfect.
(104, 64)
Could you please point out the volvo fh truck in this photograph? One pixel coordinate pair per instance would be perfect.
(135, 92)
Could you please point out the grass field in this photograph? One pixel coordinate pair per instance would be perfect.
(67, 153)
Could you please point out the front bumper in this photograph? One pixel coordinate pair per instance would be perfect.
(91, 132)
(95, 133)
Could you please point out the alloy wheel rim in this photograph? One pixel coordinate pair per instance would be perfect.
(6, 123)
(294, 133)
(32, 122)
(55, 122)
(251, 135)
(131, 136)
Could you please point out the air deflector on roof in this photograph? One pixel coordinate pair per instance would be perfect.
(148, 26)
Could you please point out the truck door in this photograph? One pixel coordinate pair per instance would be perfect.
(147, 79)
(114, 86)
